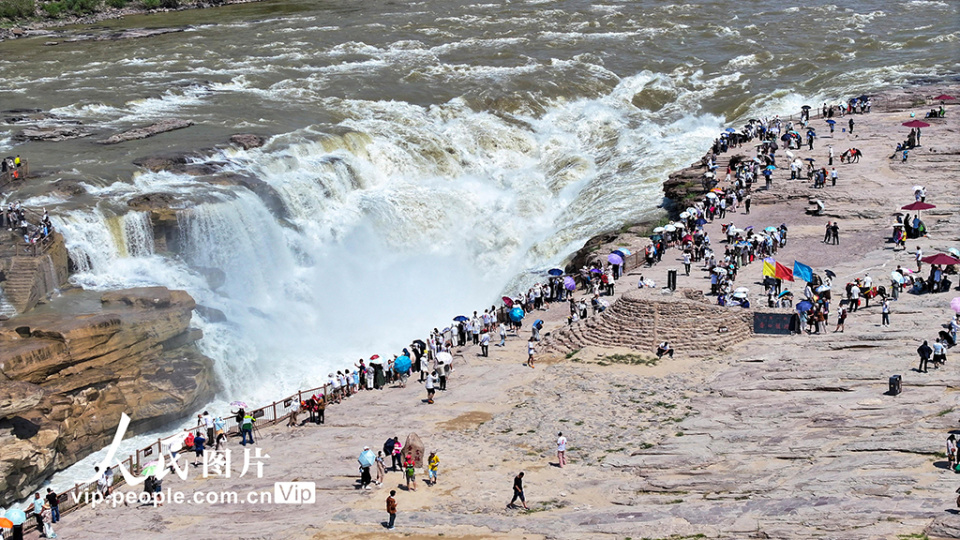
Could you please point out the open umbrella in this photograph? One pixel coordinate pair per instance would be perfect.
(771, 229)
(719, 270)
(569, 284)
(691, 210)
(915, 124)
(941, 258)
(823, 288)
(688, 238)
(701, 221)
(896, 276)
(805, 107)
(943, 97)
(445, 357)
(658, 229)
(507, 301)
(241, 404)
(784, 293)
(613, 258)
(830, 273)
(555, 272)
(710, 195)
(150, 469)
(684, 215)
(596, 271)
(5, 523)
(831, 122)
(810, 159)
(730, 130)
(16, 516)
(741, 292)
(954, 251)
(623, 252)
(955, 304)
(670, 228)
(538, 324)
(516, 314)
(679, 225)
(771, 167)
(804, 306)
(367, 458)
(402, 364)
(918, 206)
(461, 318)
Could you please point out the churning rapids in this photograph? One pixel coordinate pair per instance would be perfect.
(428, 155)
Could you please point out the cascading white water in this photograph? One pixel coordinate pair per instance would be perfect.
(399, 218)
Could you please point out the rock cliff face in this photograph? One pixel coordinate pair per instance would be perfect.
(65, 378)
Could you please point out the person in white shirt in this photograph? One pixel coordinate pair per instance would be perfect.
(429, 385)
(503, 335)
(561, 449)
(531, 348)
(485, 343)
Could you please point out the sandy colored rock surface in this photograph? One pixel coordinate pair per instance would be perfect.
(774, 437)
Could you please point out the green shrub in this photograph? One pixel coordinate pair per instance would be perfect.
(151, 4)
(53, 9)
(81, 7)
(117, 3)
(170, 4)
(16, 9)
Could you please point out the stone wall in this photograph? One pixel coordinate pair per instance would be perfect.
(27, 280)
(643, 318)
(65, 378)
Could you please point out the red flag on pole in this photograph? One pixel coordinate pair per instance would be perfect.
(782, 272)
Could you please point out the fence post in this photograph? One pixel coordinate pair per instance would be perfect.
(275, 411)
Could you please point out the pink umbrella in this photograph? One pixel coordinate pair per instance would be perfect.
(916, 124)
(507, 301)
(955, 304)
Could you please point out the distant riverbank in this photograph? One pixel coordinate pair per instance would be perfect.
(57, 14)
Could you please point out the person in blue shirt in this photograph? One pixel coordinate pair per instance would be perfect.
(198, 442)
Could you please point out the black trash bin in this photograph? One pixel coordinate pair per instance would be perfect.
(672, 280)
(896, 385)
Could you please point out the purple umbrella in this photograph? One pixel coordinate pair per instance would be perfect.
(569, 284)
(596, 271)
(613, 258)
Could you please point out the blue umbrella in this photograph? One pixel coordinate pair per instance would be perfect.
(701, 221)
(538, 324)
(555, 272)
(613, 258)
(367, 458)
(516, 314)
(731, 130)
(16, 516)
(401, 364)
(771, 167)
(569, 283)
(461, 318)
(623, 252)
(809, 159)
(804, 306)
(831, 122)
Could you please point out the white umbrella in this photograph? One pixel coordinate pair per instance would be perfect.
(710, 174)
(917, 188)
(445, 357)
(691, 210)
(823, 288)
(680, 225)
(719, 270)
(670, 228)
(711, 195)
(896, 276)
(684, 215)
(790, 154)
(658, 229)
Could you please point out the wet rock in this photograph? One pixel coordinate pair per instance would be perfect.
(266, 192)
(152, 201)
(69, 187)
(51, 133)
(211, 314)
(177, 162)
(162, 126)
(247, 140)
(215, 277)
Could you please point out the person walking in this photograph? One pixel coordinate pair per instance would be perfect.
(561, 449)
(364, 470)
(686, 262)
(485, 342)
(952, 450)
(835, 233)
(939, 353)
(746, 206)
(850, 123)
(833, 177)
(381, 469)
(397, 455)
(919, 255)
(36, 506)
(924, 351)
(54, 502)
(429, 385)
(826, 233)
(392, 509)
(531, 348)
(503, 335)
(433, 468)
(841, 318)
(518, 492)
(885, 312)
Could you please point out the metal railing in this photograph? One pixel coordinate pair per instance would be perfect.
(15, 174)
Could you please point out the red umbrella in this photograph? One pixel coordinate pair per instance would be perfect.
(916, 124)
(374, 357)
(943, 97)
(508, 301)
(940, 258)
(918, 206)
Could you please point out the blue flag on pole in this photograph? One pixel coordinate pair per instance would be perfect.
(802, 271)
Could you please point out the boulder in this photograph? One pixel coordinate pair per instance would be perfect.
(247, 140)
(162, 126)
(69, 187)
(17, 397)
(266, 192)
(414, 446)
(176, 162)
